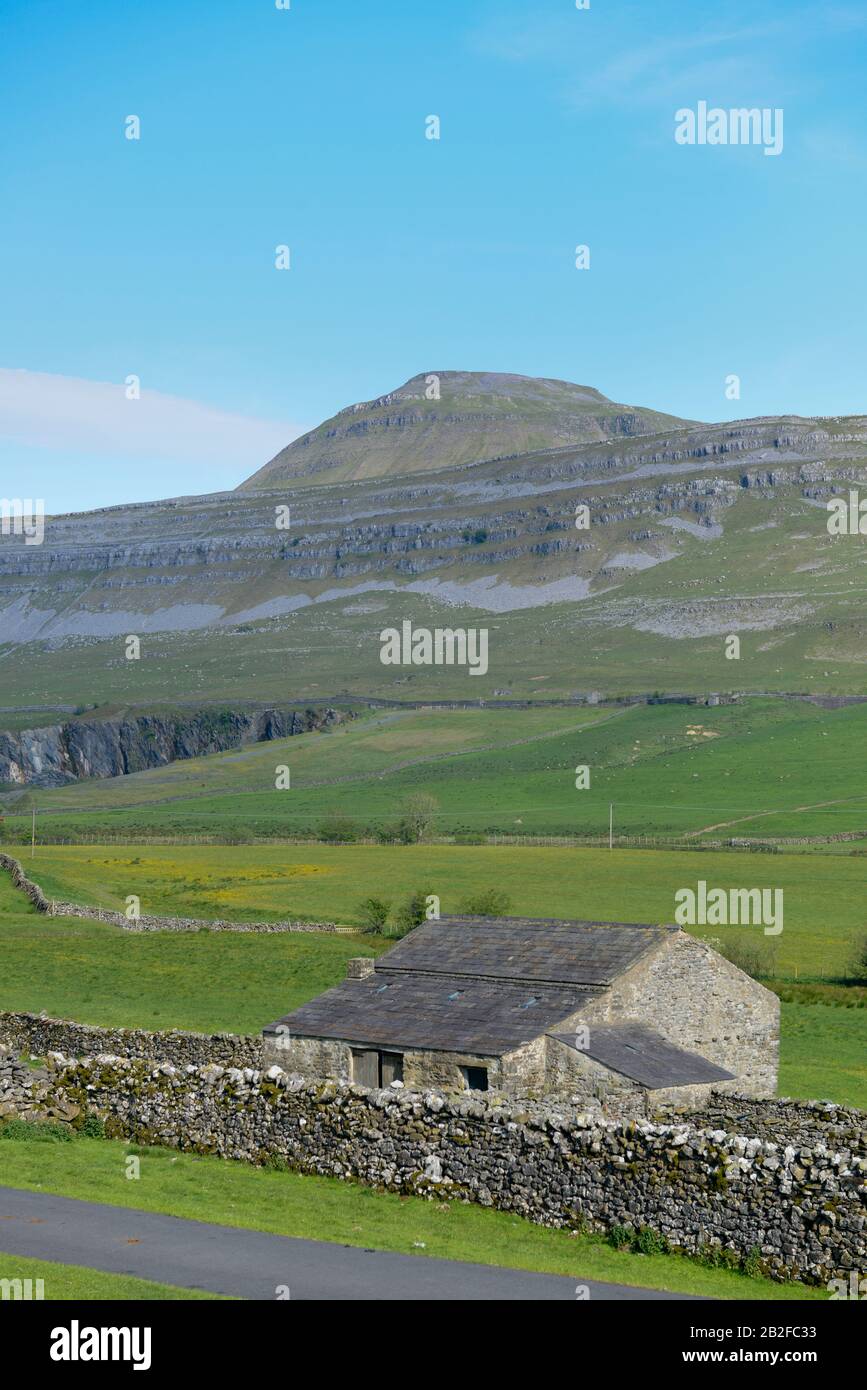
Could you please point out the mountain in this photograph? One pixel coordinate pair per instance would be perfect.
(696, 532)
(449, 419)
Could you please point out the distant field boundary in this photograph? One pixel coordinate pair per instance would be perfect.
(38, 1035)
(51, 908)
(658, 842)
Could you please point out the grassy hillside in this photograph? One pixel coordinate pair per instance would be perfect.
(759, 768)
(475, 416)
(769, 573)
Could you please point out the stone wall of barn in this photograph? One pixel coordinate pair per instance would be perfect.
(543, 1069)
(318, 1058)
(700, 1001)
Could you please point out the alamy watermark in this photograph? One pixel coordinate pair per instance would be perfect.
(23, 516)
(24, 1290)
(847, 516)
(730, 907)
(440, 646)
(740, 125)
(77, 1343)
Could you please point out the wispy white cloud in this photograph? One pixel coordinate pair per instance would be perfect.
(614, 66)
(45, 411)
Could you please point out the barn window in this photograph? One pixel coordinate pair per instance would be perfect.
(475, 1078)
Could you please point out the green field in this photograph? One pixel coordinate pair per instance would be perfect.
(235, 1194)
(761, 767)
(758, 768)
(204, 982)
(823, 913)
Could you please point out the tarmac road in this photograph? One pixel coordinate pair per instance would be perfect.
(257, 1265)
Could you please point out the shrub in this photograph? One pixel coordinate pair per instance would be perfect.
(36, 1131)
(751, 957)
(650, 1242)
(374, 914)
(753, 1265)
(337, 828)
(412, 914)
(93, 1128)
(859, 962)
(621, 1237)
(469, 837)
(490, 902)
(386, 834)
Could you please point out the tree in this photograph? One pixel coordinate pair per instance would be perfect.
(859, 962)
(417, 815)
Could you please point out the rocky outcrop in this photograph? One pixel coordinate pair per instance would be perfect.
(59, 753)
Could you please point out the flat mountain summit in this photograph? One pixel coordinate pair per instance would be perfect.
(448, 419)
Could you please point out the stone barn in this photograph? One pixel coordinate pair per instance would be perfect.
(626, 1016)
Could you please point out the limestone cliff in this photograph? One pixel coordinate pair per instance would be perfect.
(58, 753)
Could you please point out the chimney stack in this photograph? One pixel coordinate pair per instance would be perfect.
(359, 967)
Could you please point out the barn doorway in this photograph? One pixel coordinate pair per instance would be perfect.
(373, 1068)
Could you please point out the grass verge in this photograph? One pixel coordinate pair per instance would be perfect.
(63, 1283)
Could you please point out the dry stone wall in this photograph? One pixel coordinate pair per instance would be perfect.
(38, 1035)
(16, 1084)
(792, 1209)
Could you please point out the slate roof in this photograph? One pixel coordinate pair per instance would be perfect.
(445, 1013)
(645, 1056)
(475, 984)
(521, 948)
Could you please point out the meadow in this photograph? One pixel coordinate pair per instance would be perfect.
(824, 915)
(757, 768)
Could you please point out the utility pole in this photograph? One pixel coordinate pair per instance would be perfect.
(33, 835)
(611, 825)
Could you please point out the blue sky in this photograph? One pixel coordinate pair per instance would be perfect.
(307, 127)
